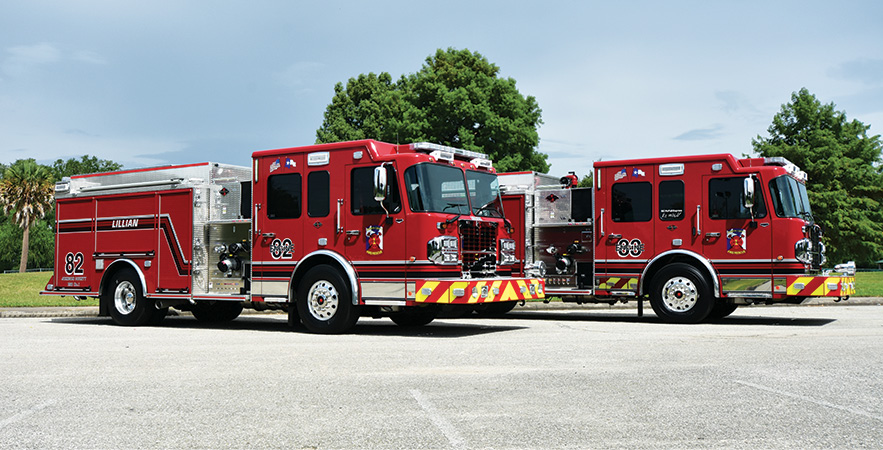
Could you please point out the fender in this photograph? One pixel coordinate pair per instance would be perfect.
(348, 269)
(694, 255)
(123, 261)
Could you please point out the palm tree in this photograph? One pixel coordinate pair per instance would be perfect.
(26, 190)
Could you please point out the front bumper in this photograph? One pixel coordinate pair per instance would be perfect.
(479, 291)
(820, 286)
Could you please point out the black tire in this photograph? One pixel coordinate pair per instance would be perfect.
(125, 300)
(324, 301)
(494, 309)
(721, 310)
(415, 317)
(216, 312)
(681, 294)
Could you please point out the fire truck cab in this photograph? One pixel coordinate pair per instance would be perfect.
(327, 232)
(697, 235)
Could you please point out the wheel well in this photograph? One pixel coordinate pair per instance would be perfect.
(109, 273)
(684, 258)
(308, 263)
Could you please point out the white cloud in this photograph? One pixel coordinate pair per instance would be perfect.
(21, 59)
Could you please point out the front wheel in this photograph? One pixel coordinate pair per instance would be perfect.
(324, 301)
(681, 294)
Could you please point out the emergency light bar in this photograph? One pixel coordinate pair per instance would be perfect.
(444, 151)
(792, 168)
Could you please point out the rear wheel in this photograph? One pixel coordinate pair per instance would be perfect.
(681, 294)
(125, 299)
(216, 312)
(324, 301)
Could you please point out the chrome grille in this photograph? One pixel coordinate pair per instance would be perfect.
(478, 241)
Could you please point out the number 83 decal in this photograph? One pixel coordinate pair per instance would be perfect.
(281, 248)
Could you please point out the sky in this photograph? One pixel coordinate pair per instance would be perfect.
(174, 82)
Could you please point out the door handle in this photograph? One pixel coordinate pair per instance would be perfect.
(268, 235)
(352, 232)
(712, 235)
(614, 237)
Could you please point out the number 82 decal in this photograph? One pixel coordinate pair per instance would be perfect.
(281, 248)
(73, 264)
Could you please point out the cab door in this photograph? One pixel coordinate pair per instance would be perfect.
(737, 239)
(628, 224)
(278, 218)
(375, 233)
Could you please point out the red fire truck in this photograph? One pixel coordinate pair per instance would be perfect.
(327, 232)
(697, 235)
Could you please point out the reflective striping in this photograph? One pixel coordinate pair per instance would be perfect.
(618, 283)
(820, 286)
(478, 291)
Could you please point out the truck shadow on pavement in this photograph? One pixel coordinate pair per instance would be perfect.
(735, 319)
(278, 323)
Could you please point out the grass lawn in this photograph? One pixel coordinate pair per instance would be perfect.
(22, 289)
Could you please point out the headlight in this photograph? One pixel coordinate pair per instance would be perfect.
(442, 250)
(507, 252)
(802, 251)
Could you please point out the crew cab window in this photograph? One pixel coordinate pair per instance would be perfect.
(726, 202)
(284, 196)
(362, 192)
(671, 200)
(318, 194)
(631, 202)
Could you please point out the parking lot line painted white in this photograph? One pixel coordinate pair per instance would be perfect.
(446, 428)
(25, 413)
(857, 412)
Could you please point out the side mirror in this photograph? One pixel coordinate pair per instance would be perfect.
(748, 192)
(380, 185)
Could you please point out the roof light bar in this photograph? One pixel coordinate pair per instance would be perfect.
(430, 148)
(790, 167)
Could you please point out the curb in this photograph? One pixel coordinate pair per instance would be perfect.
(92, 311)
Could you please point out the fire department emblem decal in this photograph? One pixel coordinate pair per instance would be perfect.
(625, 247)
(736, 241)
(374, 240)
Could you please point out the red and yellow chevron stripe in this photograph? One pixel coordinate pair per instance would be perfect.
(618, 283)
(479, 291)
(821, 286)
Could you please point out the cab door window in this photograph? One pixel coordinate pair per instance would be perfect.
(671, 200)
(284, 196)
(318, 194)
(632, 202)
(726, 200)
(362, 192)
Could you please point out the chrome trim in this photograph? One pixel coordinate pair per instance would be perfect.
(694, 255)
(134, 266)
(347, 268)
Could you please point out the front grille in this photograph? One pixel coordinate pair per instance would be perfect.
(478, 241)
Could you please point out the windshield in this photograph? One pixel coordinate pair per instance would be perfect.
(789, 198)
(436, 188)
(484, 192)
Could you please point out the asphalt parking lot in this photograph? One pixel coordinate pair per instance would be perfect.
(767, 377)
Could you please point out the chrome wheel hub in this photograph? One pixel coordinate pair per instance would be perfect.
(323, 300)
(679, 295)
(124, 297)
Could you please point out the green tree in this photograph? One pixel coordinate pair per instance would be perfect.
(843, 165)
(26, 192)
(457, 98)
(86, 164)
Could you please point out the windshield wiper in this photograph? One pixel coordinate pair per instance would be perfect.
(453, 219)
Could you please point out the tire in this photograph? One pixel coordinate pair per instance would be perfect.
(681, 294)
(721, 310)
(494, 309)
(216, 312)
(125, 300)
(416, 317)
(324, 301)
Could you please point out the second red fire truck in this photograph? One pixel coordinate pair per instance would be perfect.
(327, 232)
(697, 236)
